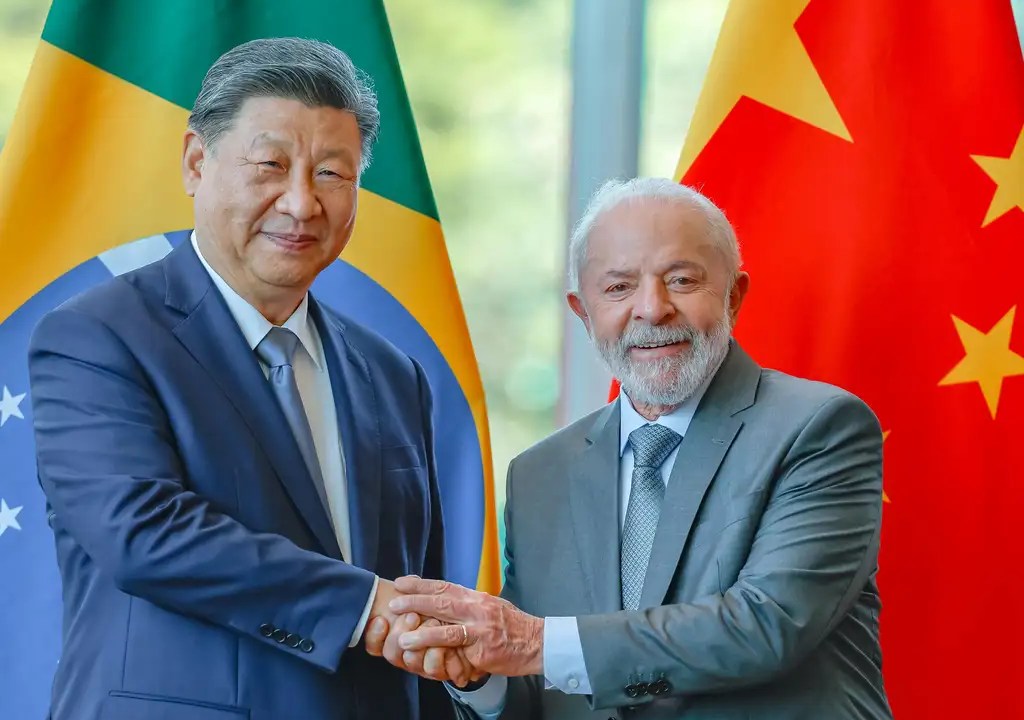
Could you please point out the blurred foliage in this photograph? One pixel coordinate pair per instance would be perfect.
(489, 82)
(489, 85)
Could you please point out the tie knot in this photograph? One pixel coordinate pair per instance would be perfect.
(652, 443)
(278, 347)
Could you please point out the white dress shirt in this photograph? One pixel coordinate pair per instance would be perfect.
(314, 383)
(564, 667)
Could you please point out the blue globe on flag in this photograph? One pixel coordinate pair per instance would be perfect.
(30, 596)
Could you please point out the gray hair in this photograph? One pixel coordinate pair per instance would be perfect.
(312, 72)
(615, 192)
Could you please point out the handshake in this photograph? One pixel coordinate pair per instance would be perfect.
(446, 632)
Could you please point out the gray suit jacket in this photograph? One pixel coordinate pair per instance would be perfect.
(760, 598)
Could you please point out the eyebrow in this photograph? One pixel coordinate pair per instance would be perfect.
(269, 138)
(616, 275)
(678, 265)
(686, 265)
(266, 138)
(343, 153)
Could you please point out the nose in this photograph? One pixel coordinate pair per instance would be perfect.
(651, 302)
(299, 200)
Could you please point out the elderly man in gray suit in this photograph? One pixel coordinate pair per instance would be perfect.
(704, 547)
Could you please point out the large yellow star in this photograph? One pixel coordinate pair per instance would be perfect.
(989, 359)
(759, 55)
(1008, 175)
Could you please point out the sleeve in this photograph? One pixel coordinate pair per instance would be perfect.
(564, 665)
(488, 701)
(109, 467)
(357, 634)
(815, 547)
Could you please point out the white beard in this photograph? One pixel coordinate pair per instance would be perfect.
(668, 380)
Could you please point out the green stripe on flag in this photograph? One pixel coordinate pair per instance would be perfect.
(166, 47)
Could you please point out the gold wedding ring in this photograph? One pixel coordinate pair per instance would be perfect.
(465, 636)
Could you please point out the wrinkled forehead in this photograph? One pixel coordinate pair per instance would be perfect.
(643, 233)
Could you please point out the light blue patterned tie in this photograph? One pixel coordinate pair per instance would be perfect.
(277, 350)
(651, 445)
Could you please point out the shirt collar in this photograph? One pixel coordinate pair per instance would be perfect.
(678, 420)
(251, 321)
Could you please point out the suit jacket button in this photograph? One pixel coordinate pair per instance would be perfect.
(306, 645)
(278, 635)
(641, 689)
(631, 691)
(292, 640)
(266, 629)
(663, 687)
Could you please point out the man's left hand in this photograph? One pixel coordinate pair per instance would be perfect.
(494, 635)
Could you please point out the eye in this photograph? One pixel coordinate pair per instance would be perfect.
(273, 164)
(681, 281)
(617, 288)
(329, 173)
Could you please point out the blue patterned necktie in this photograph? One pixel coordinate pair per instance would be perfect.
(651, 445)
(276, 351)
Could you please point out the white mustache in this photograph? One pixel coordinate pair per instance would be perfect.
(668, 380)
(638, 334)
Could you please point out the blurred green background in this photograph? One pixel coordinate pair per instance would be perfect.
(489, 82)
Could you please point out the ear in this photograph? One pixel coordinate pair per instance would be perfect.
(739, 291)
(576, 304)
(192, 157)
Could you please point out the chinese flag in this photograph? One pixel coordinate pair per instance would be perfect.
(870, 154)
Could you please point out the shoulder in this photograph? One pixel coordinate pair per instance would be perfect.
(792, 416)
(115, 304)
(565, 444)
(782, 396)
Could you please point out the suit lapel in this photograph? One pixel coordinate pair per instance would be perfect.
(213, 338)
(356, 406)
(711, 433)
(594, 502)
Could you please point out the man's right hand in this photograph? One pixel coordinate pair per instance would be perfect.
(381, 640)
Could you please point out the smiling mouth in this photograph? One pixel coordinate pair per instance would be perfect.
(656, 344)
(657, 351)
(291, 241)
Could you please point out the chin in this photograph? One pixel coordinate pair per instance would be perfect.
(288, 274)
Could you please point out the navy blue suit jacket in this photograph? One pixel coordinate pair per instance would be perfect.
(201, 576)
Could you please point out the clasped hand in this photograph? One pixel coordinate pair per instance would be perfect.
(444, 631)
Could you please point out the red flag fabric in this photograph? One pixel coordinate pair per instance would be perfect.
(870, 155)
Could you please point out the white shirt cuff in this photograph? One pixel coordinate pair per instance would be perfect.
(488, 701)
(361, 625)
(564, 667)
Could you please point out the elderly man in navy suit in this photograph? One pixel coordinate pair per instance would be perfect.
(233, 470)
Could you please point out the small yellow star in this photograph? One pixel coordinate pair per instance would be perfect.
(1008, 175)
(885, 497)
(989, 359)
(759, 55)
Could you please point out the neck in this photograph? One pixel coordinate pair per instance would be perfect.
(276, 304)
(276, 309)
(650, 411)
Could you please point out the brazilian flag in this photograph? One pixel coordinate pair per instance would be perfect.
(90, 187)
